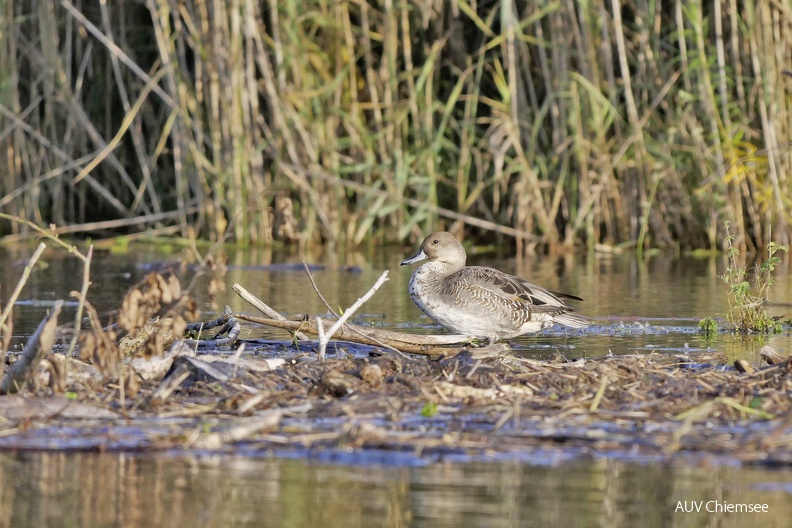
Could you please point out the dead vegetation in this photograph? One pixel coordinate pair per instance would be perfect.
(140, 379)
(162, 392)
(647, 405)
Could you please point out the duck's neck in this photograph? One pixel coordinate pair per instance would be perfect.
(434, 271)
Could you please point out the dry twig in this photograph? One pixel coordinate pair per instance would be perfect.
(324, 337)
(4, 315)
(262, 307)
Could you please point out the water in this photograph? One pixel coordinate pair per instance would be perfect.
(85, 489)
(638, 307)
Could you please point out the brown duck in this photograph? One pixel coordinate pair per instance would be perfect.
(482, 302)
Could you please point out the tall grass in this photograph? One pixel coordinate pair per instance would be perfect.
(639, 123)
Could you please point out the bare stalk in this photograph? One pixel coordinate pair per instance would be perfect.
(20, 284)
(324, 337)
(80, 304)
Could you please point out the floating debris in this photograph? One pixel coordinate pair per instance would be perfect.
(433, 396)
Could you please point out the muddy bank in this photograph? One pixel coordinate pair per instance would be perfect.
(277, 399)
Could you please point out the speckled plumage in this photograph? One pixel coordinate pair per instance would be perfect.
(482, 302)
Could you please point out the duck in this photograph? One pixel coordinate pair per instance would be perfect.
(482, 302)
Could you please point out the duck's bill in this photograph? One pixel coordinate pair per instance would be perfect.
(418, 257)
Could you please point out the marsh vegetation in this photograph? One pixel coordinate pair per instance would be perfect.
(637, 124)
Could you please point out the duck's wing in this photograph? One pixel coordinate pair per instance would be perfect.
(560, 295)
(511, 287)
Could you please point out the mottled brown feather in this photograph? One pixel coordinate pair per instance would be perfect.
(481, 301)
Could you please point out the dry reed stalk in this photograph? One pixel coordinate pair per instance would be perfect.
(554, 122)
(6, 322)
(81, 298)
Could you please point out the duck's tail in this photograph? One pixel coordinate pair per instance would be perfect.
(572, 320)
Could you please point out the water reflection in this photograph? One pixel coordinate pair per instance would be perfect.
(90, 490)
(640, 306)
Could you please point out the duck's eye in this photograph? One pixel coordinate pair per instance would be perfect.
(435, 241)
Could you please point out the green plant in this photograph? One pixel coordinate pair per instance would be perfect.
(429, 409)
(708, 326)
(747, 303)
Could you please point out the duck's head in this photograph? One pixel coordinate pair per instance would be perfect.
(440, 247)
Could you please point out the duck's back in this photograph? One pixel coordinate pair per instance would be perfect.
(489, 303)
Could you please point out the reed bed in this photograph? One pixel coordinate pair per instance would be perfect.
(637, 123)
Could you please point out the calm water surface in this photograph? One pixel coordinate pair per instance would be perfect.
(639, 307)
(81, 489)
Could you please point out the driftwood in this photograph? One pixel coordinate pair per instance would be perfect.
(325, 337)
(229, 327)
(169, 383)
(414, 344)
(770, 356)
(263, 308)
(39, 344)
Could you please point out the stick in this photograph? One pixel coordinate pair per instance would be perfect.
(325, 338)
(39, 344)
(49, 234)
(10, 305)
(117, 223)
(266, 310)
(21, 283)
(80, 306)
(321, 297)
(169, 384)
(236, 358)
(316, 289)
(428, 345)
